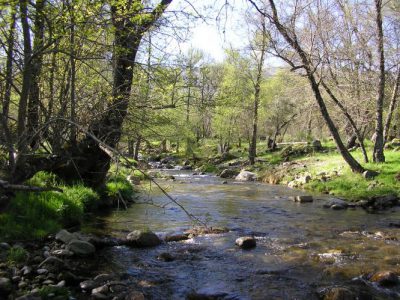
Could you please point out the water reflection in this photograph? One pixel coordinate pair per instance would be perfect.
(300, 247)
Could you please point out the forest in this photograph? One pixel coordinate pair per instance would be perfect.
(110, 116)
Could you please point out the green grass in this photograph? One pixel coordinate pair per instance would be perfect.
(17, 255)
(350, 185)
(118, 184)
(35, 215)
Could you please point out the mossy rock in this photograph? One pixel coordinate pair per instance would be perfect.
(297, 150)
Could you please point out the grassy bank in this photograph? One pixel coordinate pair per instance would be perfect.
(300, 166)
(35, 215)
(328, 173)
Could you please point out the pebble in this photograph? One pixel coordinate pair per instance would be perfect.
(42, 271)
(26, 270)
(62, 283)
(100, 290)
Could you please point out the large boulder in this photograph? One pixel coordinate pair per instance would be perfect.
(141, 238)
(64, 236)
(81, 248)
(246, 176)
(229, 173)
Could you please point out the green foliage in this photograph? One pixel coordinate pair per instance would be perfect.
(118, 184)
(34, 215)
(50, 292)
(209, 168)
(17, 255)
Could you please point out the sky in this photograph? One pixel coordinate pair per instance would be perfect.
(221, 30)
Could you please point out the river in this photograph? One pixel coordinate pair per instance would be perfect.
(301, 248)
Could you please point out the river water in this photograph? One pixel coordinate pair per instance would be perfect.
(301, 248)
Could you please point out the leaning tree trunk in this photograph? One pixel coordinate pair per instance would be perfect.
(349, 119)
(378, 154)
(307, 65)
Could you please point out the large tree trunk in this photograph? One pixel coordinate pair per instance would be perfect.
(26, 81)
(392, 106)
(36, 62)
(87, 161)
(7, 92)
(378, 154)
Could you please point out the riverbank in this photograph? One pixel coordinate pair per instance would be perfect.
(315, 169)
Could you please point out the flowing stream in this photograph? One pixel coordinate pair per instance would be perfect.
(301, 248)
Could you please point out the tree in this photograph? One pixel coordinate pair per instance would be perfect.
(303, 60)
(378, 154)
(258, 50)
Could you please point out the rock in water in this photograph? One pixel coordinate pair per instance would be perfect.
(140, 238)
(302, 199)
(81, 248)
(246, 176)
(246, 242)
(228, 173)
(64, 236)
(385, 278)
(336, 204)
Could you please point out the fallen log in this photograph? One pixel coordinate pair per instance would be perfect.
(5, 185)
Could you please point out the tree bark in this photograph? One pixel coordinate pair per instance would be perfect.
(378, 155)
(26, 80)
(36, 63)
(257, 89)
(7, 92)
(392, 106)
